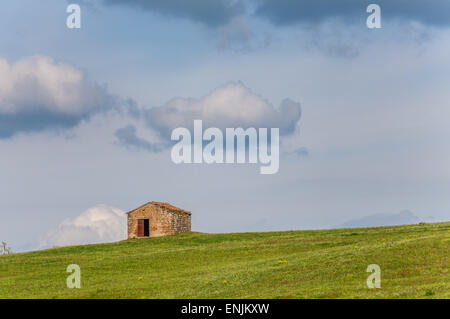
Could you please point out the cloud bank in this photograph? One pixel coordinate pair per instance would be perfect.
(287, 12)
(230, 106)
(37, 93)
(98, 224)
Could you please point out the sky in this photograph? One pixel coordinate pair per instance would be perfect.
(86, 114)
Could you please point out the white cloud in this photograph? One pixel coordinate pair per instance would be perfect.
(98, 224)
(37, 93)
(38, 81)
(232, 105)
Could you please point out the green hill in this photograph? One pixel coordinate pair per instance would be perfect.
(414, 261)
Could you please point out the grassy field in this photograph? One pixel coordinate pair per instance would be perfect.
(414, 261)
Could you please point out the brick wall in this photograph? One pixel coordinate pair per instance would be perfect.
(163, 221)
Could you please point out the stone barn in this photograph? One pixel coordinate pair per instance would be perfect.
(157, 219)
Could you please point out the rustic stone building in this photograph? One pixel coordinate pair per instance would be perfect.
(157, 219)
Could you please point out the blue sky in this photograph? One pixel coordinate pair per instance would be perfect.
(372, 137)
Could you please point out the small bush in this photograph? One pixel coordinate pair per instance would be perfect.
(429, 292)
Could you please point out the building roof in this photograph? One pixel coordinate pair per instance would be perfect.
(163, 205)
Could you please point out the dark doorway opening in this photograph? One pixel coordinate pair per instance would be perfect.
(143, 228)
